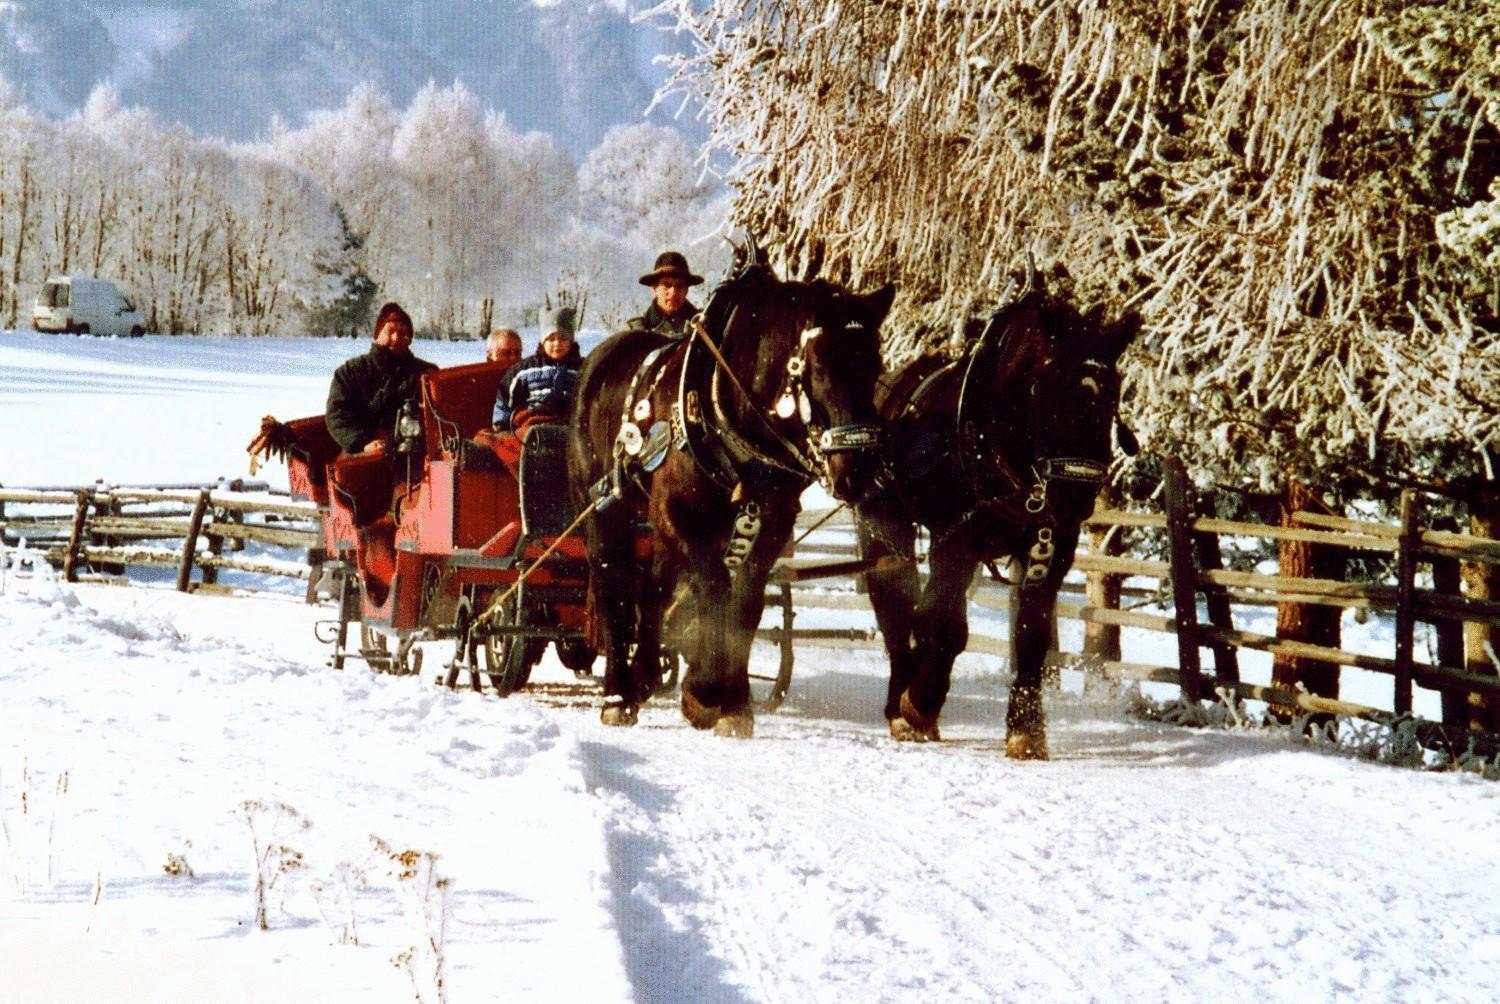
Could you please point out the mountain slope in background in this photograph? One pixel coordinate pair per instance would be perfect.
(571, 68)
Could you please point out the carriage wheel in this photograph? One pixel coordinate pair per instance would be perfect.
(463, 650)
(506, 655)
(775, 686)
(375, 650)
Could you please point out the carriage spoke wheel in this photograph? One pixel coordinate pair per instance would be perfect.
(767, 692)
(506, 655)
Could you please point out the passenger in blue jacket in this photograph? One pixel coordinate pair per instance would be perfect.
(542, 385)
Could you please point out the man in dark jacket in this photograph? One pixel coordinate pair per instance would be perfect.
(367, 392)
(670, 310)
(543, 384)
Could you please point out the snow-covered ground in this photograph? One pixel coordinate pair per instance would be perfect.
(816, 862)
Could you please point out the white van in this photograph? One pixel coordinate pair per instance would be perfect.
(81, 304)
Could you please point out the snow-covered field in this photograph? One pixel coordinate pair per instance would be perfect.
(817, 862)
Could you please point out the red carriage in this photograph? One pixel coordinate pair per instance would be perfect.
(459, 534)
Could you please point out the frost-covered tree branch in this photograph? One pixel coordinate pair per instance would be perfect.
(1301, 200)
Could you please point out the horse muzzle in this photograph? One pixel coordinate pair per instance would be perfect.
(850, 458)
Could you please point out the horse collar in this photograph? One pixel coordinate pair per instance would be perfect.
(724, 456)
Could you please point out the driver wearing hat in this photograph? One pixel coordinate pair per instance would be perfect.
(670, 309)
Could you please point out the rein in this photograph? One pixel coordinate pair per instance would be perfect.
(791, 401)
(727, 430)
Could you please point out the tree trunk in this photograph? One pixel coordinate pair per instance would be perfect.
(1482, 641)
(486, 317)
(1318, 625)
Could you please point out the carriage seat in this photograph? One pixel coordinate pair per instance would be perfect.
(547, 505)
(457, 403)
(361, 487)
(313, 449)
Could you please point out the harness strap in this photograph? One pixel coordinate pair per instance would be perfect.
(727, 431)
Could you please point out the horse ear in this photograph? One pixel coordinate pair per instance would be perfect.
(872, 307)
(1117, 336)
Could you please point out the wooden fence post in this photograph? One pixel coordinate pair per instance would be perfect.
(1102, 589)
(1406, 567)
(1447, 580)
(190, 545)
(1216, 599)
(1184, 576)
(75, 538)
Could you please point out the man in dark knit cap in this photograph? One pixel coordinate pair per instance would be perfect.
(670, 309)
(367, 392)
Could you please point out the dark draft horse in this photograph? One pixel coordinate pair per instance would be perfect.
(999, 453)
(711, 440)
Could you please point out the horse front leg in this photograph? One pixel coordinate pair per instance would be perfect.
(611, 599)
(690, 524)
(747, 601)
(941, 633)
(893, 596)
(703, 684)
(1031, 636)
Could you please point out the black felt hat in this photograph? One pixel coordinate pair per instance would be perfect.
(670, 265)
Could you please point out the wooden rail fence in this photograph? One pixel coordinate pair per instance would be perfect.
(97, 531)
(94, 532)
(1193, 577)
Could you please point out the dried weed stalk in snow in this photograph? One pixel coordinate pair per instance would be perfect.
(28, 830)
(334, 896)
(424, 899)
(270, 825)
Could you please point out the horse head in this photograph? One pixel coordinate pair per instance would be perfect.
(810, 354)
(1077, 384)
(1042, 390)
(841, 362)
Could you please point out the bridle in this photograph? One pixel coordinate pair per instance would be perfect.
(807, 459)
(992, 482)
(792, 399)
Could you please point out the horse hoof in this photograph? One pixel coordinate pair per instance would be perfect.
(1024, 746)
(924, 728)
(903, 732)
(1026, 725)
(618, 714)
(698, 716)
(741, 726)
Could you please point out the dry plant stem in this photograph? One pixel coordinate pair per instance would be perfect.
(269, 822)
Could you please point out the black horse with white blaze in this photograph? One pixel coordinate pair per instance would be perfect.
(999, 453)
